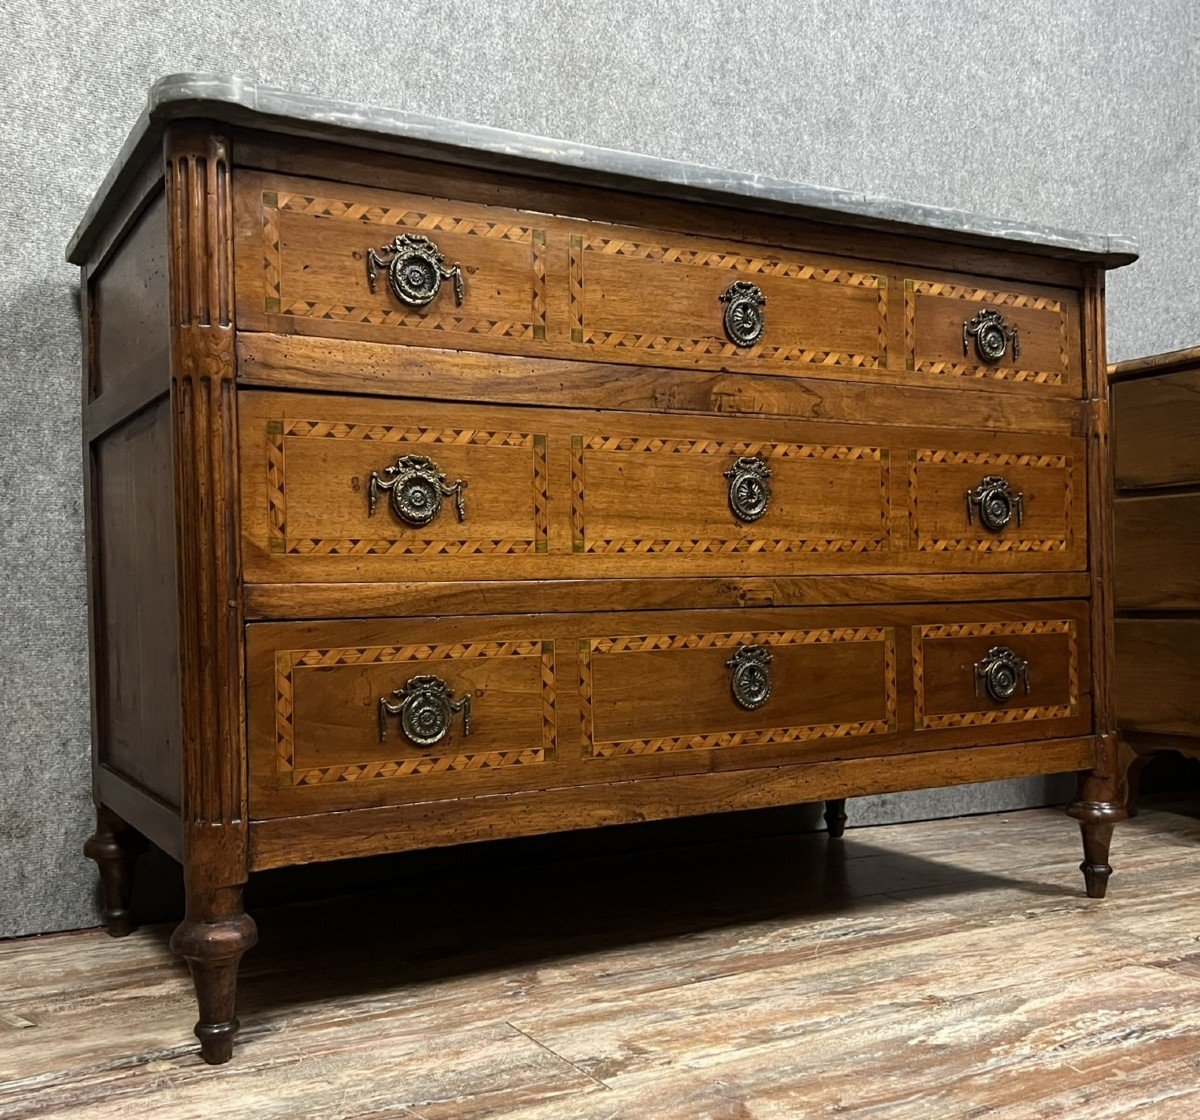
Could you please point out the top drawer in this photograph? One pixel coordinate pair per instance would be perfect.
(1155, 421)
(332, 259)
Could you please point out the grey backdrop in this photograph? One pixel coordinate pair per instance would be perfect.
(1081, 115)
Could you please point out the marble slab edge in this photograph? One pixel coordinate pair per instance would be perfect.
(237, 101)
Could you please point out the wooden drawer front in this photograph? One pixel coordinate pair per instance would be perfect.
(664, 692)
(302, 264)
(1050, 532)
(1156, 421)
(578, 699)
(650, 495)
(950, 660)
(307, 475)
(655, 296)
(1046, 322)
(565, 494)
(1158, 675)
(326, 700)
(1157, 552)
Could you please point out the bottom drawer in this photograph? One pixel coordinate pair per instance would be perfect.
(366, 713)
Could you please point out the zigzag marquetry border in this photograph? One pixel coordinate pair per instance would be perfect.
(984, 460)
(276, 202)
(942, 720)
(914, 288)
(278, 431)
(288, 662)
(729, 449)
(717, 346)
(588, 647)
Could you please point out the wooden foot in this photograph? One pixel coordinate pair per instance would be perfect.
(1096, 820)
(212, 942)
(1095, 866)
(115, 847)
(835, 817)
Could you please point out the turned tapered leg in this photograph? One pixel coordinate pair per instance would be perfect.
(212, 939)
(1097, 836)
(1099, 805)
(115, 847)
(835, 817)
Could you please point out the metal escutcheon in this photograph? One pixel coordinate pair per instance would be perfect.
(744, 318)
(415, 269)
(751, 679)
(992, 335)
(749, 487)
(996, 502)
(416, 487)
(1000, 673)
(425, 705)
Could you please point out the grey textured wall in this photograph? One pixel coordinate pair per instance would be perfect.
(1080, 115)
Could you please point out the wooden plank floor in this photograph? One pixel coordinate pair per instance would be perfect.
(945, 969)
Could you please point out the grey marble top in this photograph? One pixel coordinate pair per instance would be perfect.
(239, 101)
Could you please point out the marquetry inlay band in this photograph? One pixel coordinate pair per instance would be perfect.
(367, 215)
(291, 664)
(915, 288)
(405, 543)
(924, 721)
(589, 648)
(723, 450)
(1010, 540)
(718, 345)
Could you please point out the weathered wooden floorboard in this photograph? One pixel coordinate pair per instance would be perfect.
(945, 969)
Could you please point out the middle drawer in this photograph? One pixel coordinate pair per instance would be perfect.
(346, 489)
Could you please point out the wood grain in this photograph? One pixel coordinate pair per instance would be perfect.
(1156, 420)
(555, 492)
(283, 361)
(579, 700)
(1158, 552)
(773, 978)
(560, 287)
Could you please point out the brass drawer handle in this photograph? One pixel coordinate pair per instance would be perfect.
(1000, 673)
(744, 318)
(416, 486)
(426, 707)
(993, 336)
(415, 270)
(997, 503)
(749, 487)
(750, 681)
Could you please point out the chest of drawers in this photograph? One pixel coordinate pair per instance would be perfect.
(445, 484)
(1156, 458)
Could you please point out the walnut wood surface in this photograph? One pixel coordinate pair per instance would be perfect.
(1156, 675)
(135, 610)
(280, 841)
(577, 700)
(281, 361)
(554, 493)
(1158, 552)
(598, 585)
(1156, 418)
(387, 600)
(1156, 421)
(537, 284)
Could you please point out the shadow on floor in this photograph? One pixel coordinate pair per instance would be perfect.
(485, 916)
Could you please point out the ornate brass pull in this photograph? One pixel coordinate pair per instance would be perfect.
(415, 270)
(750, 682)
(749, 488)
(426, 706)
(997, 503)
(992, 336)
(744, 318)
(416, 487)
(1000, 673)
